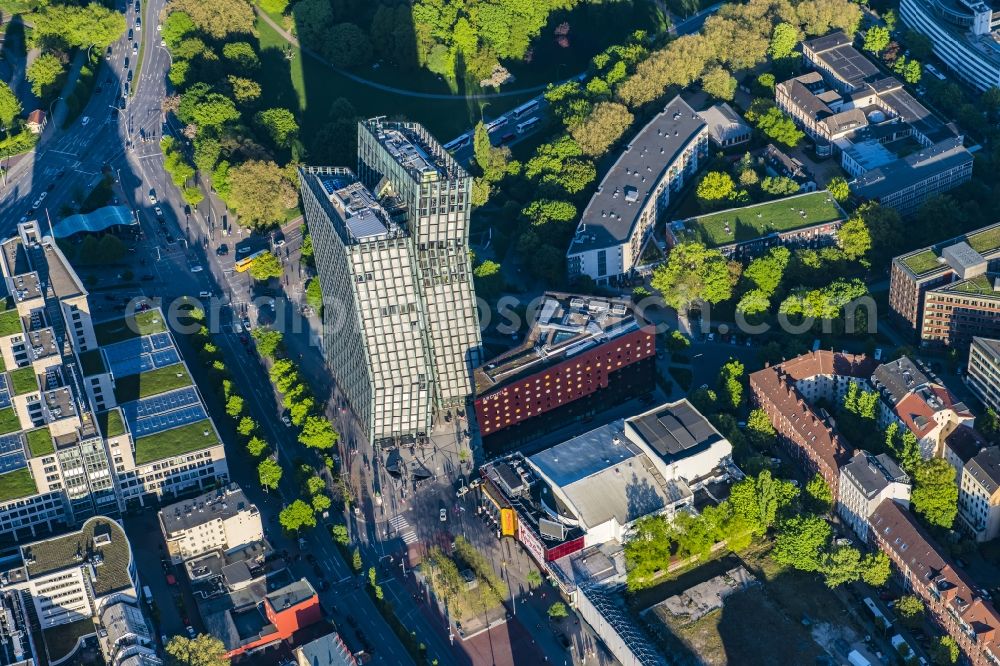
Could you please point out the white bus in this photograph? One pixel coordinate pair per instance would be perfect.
(496, 124)
(931, 69)
(527, 125)
(455, 144)
(524, 109)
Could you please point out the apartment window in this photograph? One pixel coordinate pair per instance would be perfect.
(602, 263)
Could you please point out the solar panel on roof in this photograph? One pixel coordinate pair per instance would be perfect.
(11, 443)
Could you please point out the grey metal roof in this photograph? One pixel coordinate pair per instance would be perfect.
(898, 378)
(327, 650)
(586, 454)
(841, 58)
(610, 216)
(290, 595)
(984, 467)
(871, 474)
(915, 114)
(723, 122)
(912, 169)
(988, 344)
(673, 430)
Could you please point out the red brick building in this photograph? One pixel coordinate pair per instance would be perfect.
(249, 623)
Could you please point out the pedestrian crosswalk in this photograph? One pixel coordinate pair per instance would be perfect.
(401, 526)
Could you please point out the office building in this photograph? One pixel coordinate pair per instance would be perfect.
(613, 230)
(787, 392)
(67, 588)
(897, 151)
(865, 481)
(950, 596)
(983, 372)
(920, 403)
(581, 355)
(725, 127)
(959, 311)
(222, 519)
(979, 495)
(963, 34)
(916, 274)
(403, 161)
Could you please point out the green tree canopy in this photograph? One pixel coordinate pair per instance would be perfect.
(716, 186)
(781, 186)
(692, 272)
(875, 569)
(279, 125)
(493, 160)
(602, 128)
(265, 267)
(800, 542)
(935, 493)
(260, 193)
(784, 39)
(269, 473)
(219, 18)
(79, 26)
(256, 446)
(819, 494)
(297, 515)
(43, 74)
(767, 271)
(779, 127)
(10, 106)
(719, 83)
(876, 39)
(731, 384)
(759, 499)
(854, 238)
(347, 46)
(318, 433)
(944, 651)
(488, 279)
(838, 188)
(202, 650)
(268, 341)
(176, 27)
(841, 565)
(558, 610)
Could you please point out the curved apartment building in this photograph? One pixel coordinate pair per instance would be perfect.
(964, 33)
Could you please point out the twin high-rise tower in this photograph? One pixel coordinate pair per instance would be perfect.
(401, 327)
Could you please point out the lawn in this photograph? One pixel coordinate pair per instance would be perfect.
(23, 380)
(750, 222)
(92, 362)
(10, 323)
(145, 384)
(17, 484)
(111, 423)
(985, 241)
(174, 442)
(980, 285)
(9, 421)
(922, 262)
(126, 328)
(39, 442)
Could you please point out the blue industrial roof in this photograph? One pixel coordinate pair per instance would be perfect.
(586, 454)
(98, 220)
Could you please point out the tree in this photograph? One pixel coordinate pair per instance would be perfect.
(875, 569)
(356, 562)
(534, 578)
(692, 272)
(910, 609)
(10, 107)
(201, 106)
(854, 239)
(274, 6)
(79, 26)
(935, 493)
(719, 83)
(767, 271)
(260, 193)
(890, 20)
(279, 125)
(246, 426)
(315, 484)
(347, 46)
(800, 541)
(234, 406)
(245, 91)
(838, 188)
(730, 384)
(256, 446)
(268, 341)
(297, 515)
(176, 27)
(558, 611)
(318, 433)
(202, 650)
(242, 55)
(759, 499)
(912, 72)
(218, 18)
(779, 127)
(716, 186)
(43, 73)
(759, 427)
(488, 279)
(321, 503)
(269, 473)
(265, 267)
(602, 128)
(842, 565)
(876, 39)
(944, 651)
(784, 38)
(781, 186)
(340, 534)
(819, 494)
(492, 160)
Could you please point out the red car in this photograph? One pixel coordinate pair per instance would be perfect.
(171, 580)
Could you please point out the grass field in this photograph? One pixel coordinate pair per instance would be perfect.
(156, 381)
(750, 222)
(39, 442)
(111, 423)
(23, 380)
(126, 328)
(10, 323)
(17, 484)
(175, 441)
(9, 421)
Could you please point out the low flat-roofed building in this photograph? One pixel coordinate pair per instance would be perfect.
(865, 481)
(983, 375)
(725, 127)
(619, 219)
(221, 519)
(979, 495)
(581, 352)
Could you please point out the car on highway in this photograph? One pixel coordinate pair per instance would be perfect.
(130, 35)
(246, 249)
(138, 23)
(222, 250)
(137, 8)
(125, 65)
(107, 56)
(159, 27)
(197, 268)
(190, 631)
(152, 197)
(158, 212)
(279, 240)
(130, 75)
(204, 294)
(135, 48)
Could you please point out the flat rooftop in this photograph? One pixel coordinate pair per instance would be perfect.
(836, 52)
(928, 261)
(674, 430)
(100, 540)
(412, 147)
(566, 325)
(218, 504)
(912, 169)
(982, 286)
(613, 211)
(737, 225)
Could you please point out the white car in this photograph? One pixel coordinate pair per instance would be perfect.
(159, 27)
(85, 120)
(41, 197)
(204, 294)
(286, 420)
(197, 268)
(444, 515)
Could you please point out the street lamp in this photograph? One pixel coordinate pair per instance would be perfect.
(53, 104)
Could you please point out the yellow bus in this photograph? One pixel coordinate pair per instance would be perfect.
(244, 263)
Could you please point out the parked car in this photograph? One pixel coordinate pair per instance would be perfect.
(222, 250)
(443, 514)
(152, 197)
(286, 420)
(197, 268)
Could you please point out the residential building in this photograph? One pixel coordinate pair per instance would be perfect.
(952, 600)
(811, 220)
(865, 481)
(222, 519)
(589, 490)
(963, 34)
(71, 587)
(960, 446)
(983, 373)
(909, 397)
(916, 274)
(725, 127)
(787, 391)
(897, 151)
(37, 120)
(979, 495)
(328, 650)
(403, 161)
(618, 221)
(581, 354)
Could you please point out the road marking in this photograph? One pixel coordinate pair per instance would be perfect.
(401, 526)
(62, 152)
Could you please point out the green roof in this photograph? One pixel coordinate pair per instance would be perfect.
(985, 241)
(9, 421)
(981, 285)
(39, 442)
(126, 328)
(175, 442)
(751, 222)
(72, 549)
(60, 641)
(18, 483)
(10, 323)
(23, 380)
(922, 262)
(145, 384)
(111, 423)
